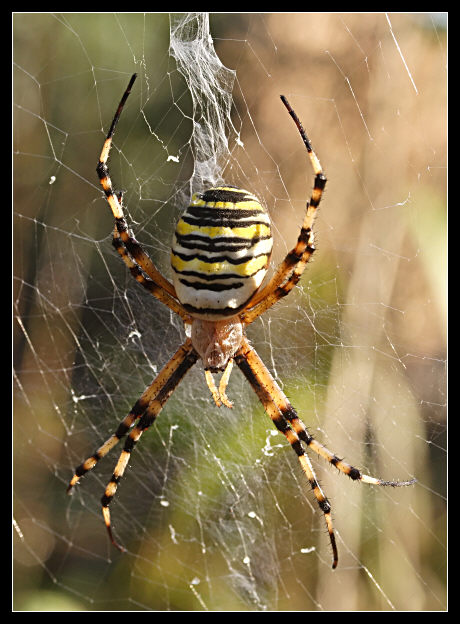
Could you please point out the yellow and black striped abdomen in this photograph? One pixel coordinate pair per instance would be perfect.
(220, 252)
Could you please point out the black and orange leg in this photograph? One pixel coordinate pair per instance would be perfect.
(141, 257)
(108, 445)
(102, 169)
(115, 201)
(290, 414)
(290, 270)
(274, 399)
(138, 409)
(165, 383)
(150, 285)
(255, 372)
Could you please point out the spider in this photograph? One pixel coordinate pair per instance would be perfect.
(220, 254)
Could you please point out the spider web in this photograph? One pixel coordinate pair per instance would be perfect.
(214, 510)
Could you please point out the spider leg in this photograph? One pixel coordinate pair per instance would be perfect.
(323, 451)
(102, 169)
(114, 198)
(290, 270)
(290, 414)
(256, 373)
(165, 383)
(108, 445)
(150, 285)
(137, 410)
(146, 408)
(287, 421)
(141, 257)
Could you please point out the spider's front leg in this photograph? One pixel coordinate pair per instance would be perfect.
(290, 414)
(166, 382)
(260, 379)
(287, 421)
(146, 409)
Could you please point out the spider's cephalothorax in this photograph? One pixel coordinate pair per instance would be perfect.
(219, 256)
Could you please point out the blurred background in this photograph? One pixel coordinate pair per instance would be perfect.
(214, 510)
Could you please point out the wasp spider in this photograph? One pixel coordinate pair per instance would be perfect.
(220, 254)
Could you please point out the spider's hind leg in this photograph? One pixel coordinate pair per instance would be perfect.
(123, 240)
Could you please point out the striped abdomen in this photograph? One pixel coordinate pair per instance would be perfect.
(220, 252)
